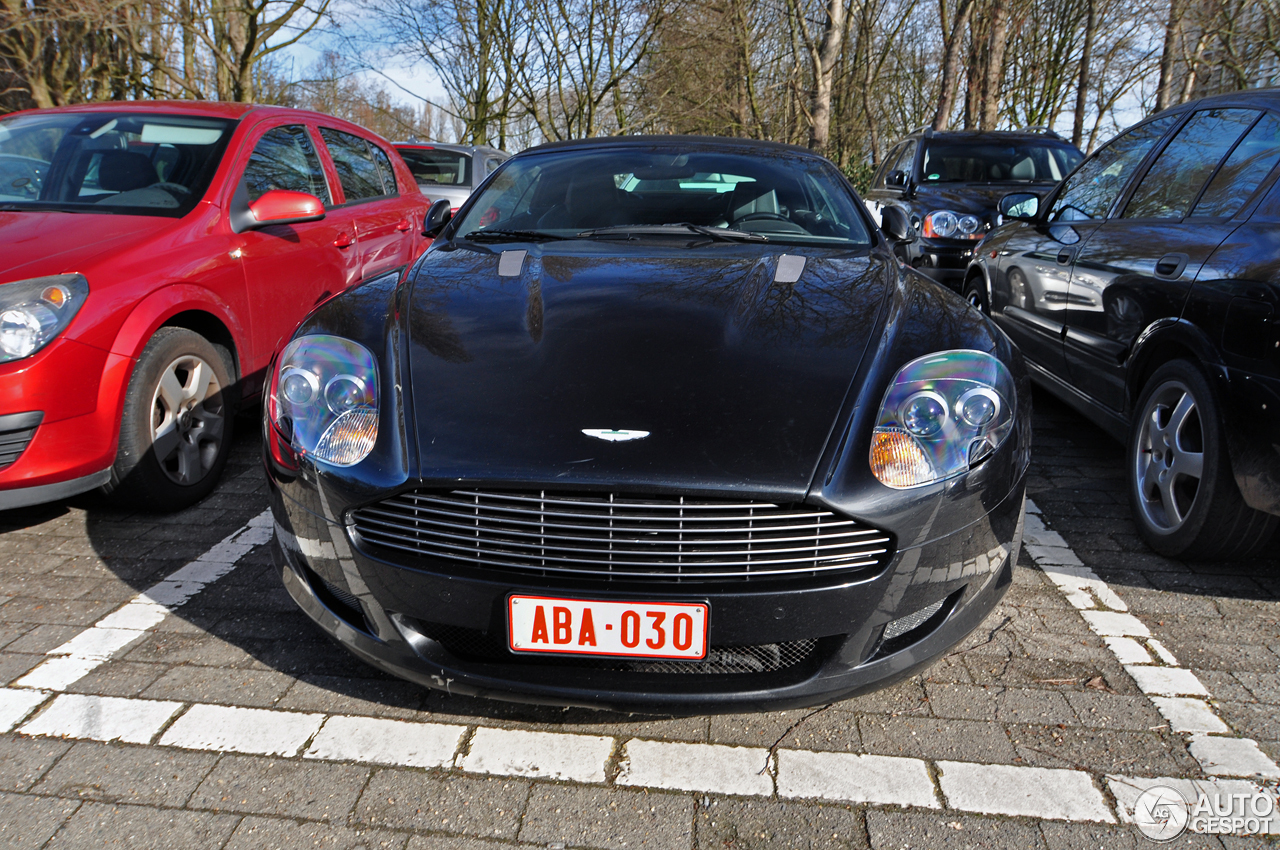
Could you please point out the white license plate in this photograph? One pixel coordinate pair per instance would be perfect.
(593, 627)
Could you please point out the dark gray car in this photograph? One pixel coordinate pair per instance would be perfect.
(449, 171)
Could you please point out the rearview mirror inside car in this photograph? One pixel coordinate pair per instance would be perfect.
(1022, 206)
(894, 223)
(437, 217)
(283, 207)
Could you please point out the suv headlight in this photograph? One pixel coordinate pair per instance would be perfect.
(941, 415)
(324, 399)
(33, 312)
(945, 224)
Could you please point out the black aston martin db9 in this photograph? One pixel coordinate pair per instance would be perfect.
(657, 424)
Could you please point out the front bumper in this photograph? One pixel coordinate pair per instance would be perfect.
(943, 261)
(76, 390)
(446, 630)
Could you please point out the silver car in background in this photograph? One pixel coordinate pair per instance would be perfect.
(449, 171)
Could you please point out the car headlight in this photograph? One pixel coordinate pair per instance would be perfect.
(945, 224)
(324, 399)
(941, 415)
(33, 312)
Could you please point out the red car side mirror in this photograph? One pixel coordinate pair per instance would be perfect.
(282, 207)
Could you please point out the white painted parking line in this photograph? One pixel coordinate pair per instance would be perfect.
(1167, 686)
(886, 780)
(1190, 715)
(15, 705)
(1038, 792)
(1167, 681)
(710, 768)
(98, 643)
(400, 742)
(242, 730)
(140, 614)
(84, 653)
(1115, 624)
(1128, 650)
(1221, 794)
(134, 721)
(1232, 757)
(59, 673)
(544, 755)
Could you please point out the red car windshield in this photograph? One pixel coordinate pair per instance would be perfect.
(109, 162)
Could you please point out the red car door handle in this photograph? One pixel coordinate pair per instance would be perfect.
(344, 240)
(403, 224)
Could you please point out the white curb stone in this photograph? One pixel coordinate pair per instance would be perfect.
(1115, 624)
(16, 704)
(242, 730)
(886, 780)
(1190, 715)
(709, 768)
(1232, 757)
(542, 755)
(134, 721)
(1027, 791)
(372, 739)
(1128, 650)
(1167, 681)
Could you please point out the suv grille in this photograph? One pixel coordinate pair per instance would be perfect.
(604, 535)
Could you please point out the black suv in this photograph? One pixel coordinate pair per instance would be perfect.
(945, 187)
(1145, 291)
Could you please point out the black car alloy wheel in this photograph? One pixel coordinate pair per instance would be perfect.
(1184, 497)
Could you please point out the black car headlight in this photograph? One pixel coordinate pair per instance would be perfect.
(33, 312)
(941, 415)
(945, 224)
(324, 399)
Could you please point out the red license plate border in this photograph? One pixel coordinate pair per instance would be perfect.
(706, 635)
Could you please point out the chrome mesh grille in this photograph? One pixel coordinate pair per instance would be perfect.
(606, 535)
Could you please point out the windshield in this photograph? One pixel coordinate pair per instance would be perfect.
(109, 162)
(990, 162)
(767, 195)
(438, 167)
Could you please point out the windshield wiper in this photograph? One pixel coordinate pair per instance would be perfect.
(721, 234)
(513, 236)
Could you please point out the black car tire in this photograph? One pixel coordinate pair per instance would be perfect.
(192, 405)
(976, 294)
(1177, 418)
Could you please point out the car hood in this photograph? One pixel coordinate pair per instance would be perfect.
(973, 197)
(738, 379)
(39, 243)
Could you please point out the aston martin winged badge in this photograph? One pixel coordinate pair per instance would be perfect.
(614, 436)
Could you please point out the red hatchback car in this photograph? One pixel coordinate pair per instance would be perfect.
(156, 256)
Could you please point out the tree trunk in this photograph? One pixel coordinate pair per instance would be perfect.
(953, 42)
(824, 67)
(993, 73)
(1082, 88)
(1168, 57)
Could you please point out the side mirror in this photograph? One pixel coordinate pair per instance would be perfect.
(1022, 206)
(282, 207)
(896, 178)
(437, 217)
(895, 224)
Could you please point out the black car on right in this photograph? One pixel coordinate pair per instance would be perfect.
(1144, 290)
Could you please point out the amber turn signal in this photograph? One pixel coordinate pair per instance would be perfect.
(897, 459)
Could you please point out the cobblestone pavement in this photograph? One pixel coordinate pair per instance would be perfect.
(224, 719)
